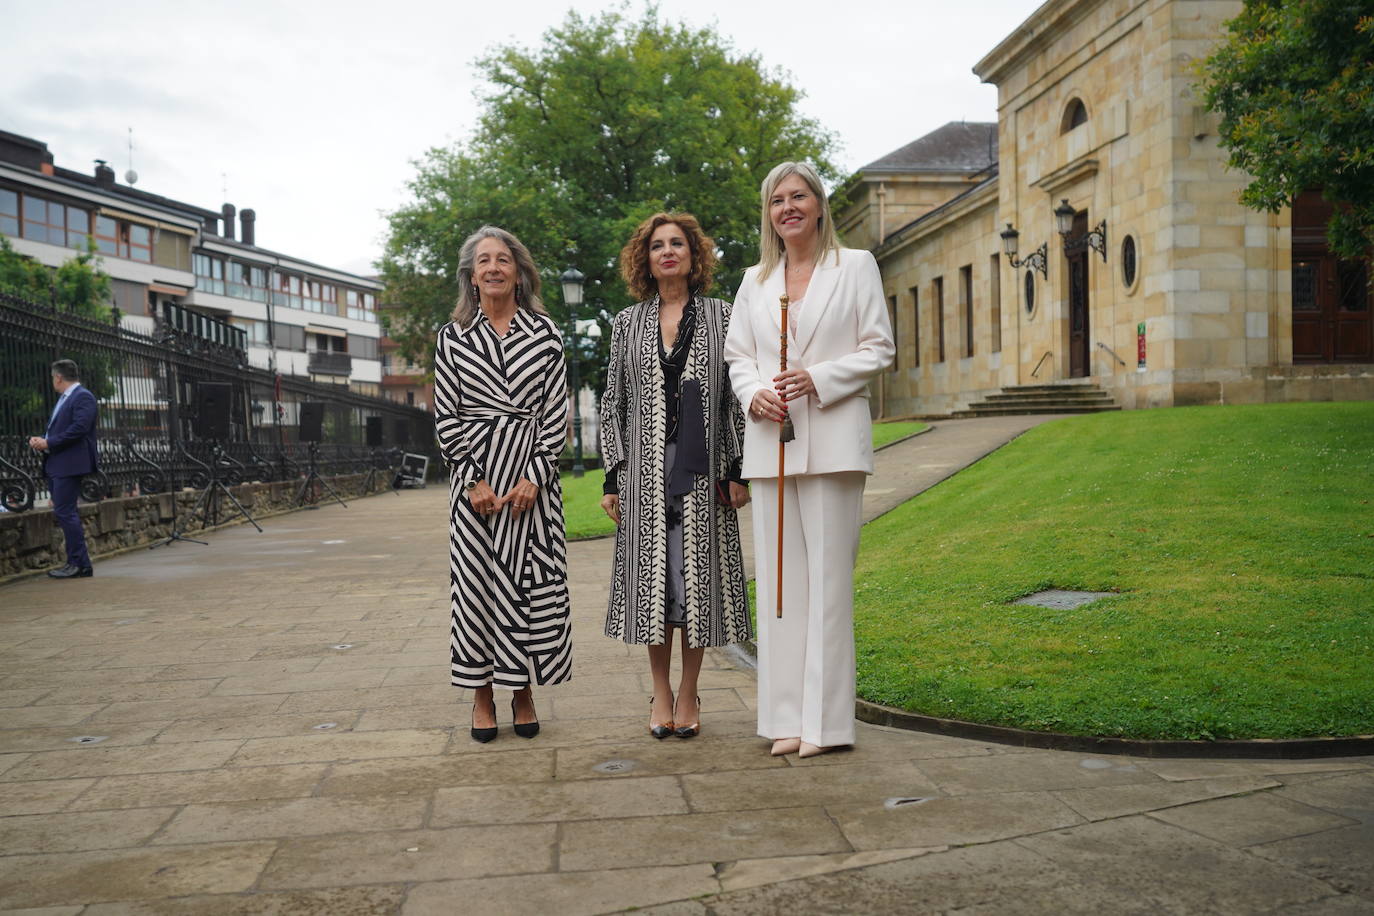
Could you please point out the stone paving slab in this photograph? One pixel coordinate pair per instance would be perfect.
(207, 673)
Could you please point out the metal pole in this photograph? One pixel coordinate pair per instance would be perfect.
(577, 468)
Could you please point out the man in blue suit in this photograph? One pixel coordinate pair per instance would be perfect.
(69, 453)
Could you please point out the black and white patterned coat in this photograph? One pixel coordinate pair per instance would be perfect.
(501, 413)
(633, 430)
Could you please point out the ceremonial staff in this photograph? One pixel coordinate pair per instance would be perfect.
(785, 434)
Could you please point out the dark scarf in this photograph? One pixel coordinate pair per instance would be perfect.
(691, 459)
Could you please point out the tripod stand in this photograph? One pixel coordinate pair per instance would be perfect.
(376, 465)
(208, 504)
(313, 477)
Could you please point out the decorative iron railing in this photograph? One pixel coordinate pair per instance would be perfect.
(148, 429)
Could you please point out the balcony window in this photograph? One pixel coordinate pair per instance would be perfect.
(43, 220)
(361, 306)
(107, 235)
(255, 331)
(78, 227)
(287, 291)
(247, 282)
(138, 241)
(9, 212)
(209, 273)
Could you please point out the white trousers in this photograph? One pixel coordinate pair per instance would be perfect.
(806, 658)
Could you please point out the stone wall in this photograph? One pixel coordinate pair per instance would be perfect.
(31, 541)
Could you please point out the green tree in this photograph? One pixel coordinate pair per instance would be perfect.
(1294, 85)
(78, 287)
(609, 120)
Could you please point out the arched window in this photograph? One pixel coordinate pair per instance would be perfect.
(1075, 113)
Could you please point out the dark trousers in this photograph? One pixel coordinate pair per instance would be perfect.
(64, 492)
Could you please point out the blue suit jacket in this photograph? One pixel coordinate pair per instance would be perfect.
(71, 437)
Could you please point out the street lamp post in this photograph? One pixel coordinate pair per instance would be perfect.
(572, 280)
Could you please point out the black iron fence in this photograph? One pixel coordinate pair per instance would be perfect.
(150, 430)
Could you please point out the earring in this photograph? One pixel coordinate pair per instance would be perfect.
(518, 294)
(476, 296)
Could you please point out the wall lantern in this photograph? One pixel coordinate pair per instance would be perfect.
(1063, 221)
(1037, 259)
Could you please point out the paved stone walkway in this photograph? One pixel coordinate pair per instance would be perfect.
(264, 726)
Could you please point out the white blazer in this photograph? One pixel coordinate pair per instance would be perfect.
(844, 338)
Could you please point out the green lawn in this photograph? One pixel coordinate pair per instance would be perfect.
(583, 517)
(885, 433)
(1241, 540)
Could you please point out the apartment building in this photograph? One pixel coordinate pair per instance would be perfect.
(163, 255)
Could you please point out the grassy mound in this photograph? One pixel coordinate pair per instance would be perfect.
(1240, 539)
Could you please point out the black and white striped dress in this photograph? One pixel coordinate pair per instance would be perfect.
(501, 413)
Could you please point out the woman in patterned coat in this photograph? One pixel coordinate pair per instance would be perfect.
(671, 433)
(501, 413)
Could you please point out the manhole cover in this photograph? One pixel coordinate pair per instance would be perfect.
(325, 725)
(614, 767)
(1092, 764)
(1062, 599)
(892, 804)
(89, 739)
(343, 645)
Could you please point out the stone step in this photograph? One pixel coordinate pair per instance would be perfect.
(1038, 397)
(1060, 386)
(1023, 410)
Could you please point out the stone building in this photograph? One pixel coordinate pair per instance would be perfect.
(1133, 268)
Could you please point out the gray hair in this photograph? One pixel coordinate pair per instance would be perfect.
(67, 370)
(526, 275)
(771, 248)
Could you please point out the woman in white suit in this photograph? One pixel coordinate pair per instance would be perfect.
(839, 338)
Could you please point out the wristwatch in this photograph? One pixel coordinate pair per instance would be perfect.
(470, 485)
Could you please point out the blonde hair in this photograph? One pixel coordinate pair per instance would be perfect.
(526, 275)
(771, 249)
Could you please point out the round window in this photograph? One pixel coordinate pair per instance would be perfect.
(1030, 291)
(1128, 261)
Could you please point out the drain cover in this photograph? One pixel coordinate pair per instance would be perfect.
(89, 739)
(343, 645)
(892, 804)
(324, 725)
(1062, 599)
(614, 767)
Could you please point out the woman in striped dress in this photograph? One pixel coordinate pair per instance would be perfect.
(501, 413)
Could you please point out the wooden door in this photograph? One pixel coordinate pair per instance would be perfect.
(1077, 259)
(1331, 309)
(1331, 296)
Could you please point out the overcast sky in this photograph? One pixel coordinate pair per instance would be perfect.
(312, 113)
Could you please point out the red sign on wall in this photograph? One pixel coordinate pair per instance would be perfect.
(1140, 345)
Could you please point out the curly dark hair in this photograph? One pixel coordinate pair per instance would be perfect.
(634, 257)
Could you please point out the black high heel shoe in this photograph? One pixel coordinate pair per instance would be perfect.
(523, 729)
(658, 731)
(690, 731)
(483, 735)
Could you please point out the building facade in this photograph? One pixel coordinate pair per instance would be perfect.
(1132, 265)
(166, 257)
(403, 381)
